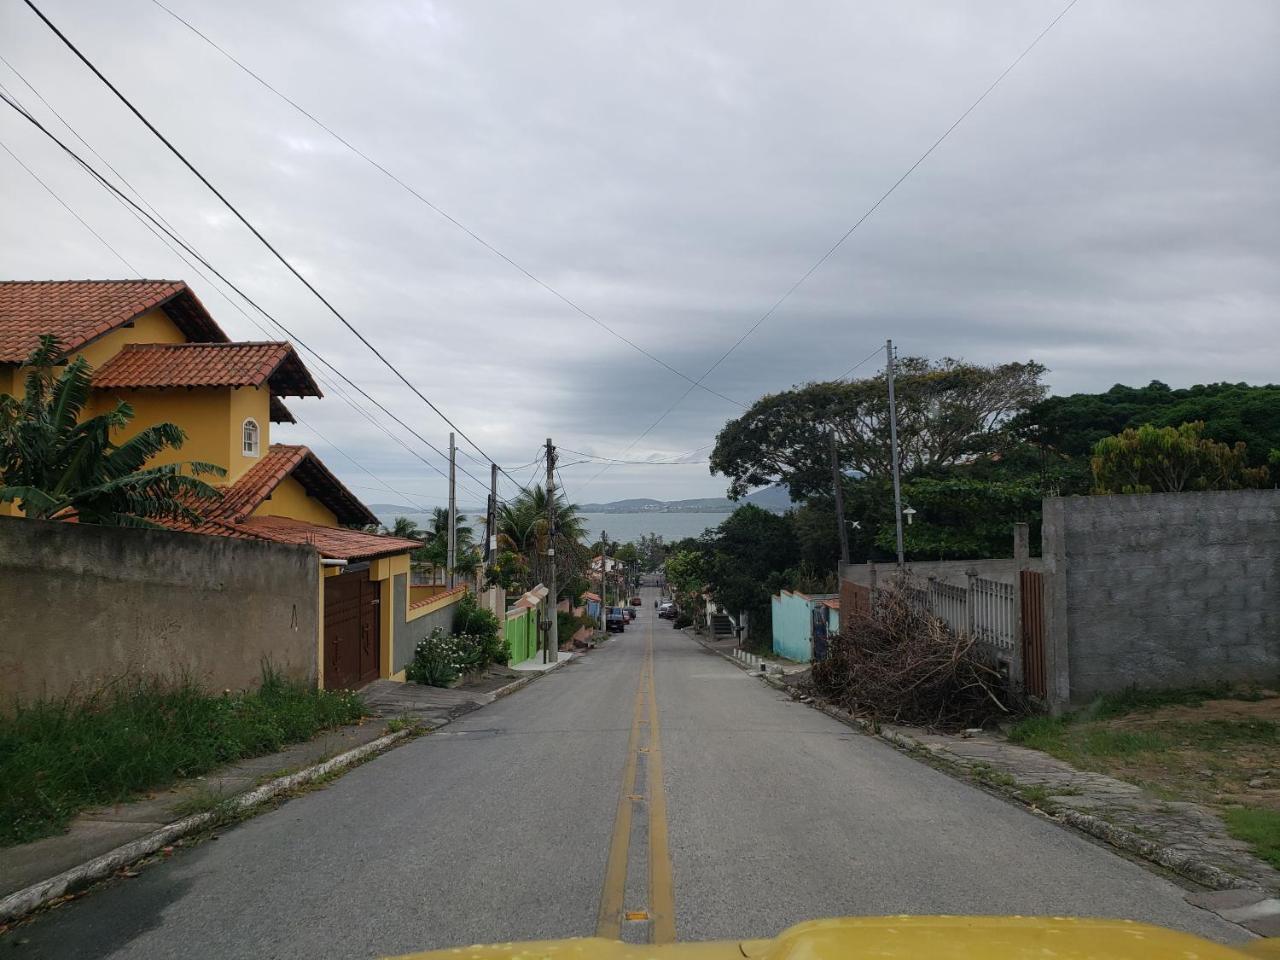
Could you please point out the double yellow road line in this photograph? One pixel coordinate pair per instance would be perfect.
(644, 745)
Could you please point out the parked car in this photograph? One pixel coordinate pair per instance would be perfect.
(636, 601)
(667, 611)
(615, 621)
(629, 613)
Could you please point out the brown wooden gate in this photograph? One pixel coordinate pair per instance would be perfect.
(351, 636)
(1035, 676)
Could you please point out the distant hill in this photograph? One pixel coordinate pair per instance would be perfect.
(775, 499)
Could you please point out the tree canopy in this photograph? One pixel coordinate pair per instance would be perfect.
(1171, 459)
(949, 412)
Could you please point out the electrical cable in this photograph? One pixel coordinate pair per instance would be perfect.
(253, 229)
(13, 103)
(857, 223)
(449, 217)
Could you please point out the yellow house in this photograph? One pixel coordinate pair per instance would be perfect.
(153, 344)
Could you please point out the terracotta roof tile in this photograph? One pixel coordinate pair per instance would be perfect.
(140, 365)
(281, 460)
(78, 311)
(335, 542)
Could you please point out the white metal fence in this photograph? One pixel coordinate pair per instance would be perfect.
(984, 609)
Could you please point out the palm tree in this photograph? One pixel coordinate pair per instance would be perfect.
(406, 529)
(58, 468)
(523, 528)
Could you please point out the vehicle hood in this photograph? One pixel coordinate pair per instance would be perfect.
(934, 938)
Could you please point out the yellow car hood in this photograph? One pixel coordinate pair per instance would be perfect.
(899, 938)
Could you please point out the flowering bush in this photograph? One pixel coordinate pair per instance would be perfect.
(442, 658)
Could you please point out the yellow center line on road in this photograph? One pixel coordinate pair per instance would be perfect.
(661, 910)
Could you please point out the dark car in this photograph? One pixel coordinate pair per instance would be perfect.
(636, 601)
(615, 620)
(630, 614)
(667, 611)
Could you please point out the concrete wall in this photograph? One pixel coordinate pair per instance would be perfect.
(405, 632)
(792, 626)
(82, 605)
(948, 571)
(1163, 590)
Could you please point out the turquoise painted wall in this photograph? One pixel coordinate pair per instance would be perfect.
(791, 628)
(793, 625)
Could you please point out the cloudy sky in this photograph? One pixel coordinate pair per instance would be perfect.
(1112, 209)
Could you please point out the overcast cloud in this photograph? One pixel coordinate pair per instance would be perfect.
(1111, 210)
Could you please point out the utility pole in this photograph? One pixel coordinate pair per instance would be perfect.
(893, 448)
(839, 492)
(453, 510)
(491, 519)
(604, 589)
(552, 650)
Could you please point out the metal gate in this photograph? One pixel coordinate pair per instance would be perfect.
(1034, 673)
(351, 636)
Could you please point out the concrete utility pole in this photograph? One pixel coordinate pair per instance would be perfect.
(552, 651)
(491, 519)
(893, 448)
(453, 510)
(604, 590)
(839, 492)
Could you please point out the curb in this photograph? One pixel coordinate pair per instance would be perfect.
(29, 899)
(1185, 865)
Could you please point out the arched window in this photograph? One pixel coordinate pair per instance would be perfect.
(250, 435)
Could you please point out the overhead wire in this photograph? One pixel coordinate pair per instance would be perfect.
(436, 208)
(253, 229)
(16, 105)
(849, 232)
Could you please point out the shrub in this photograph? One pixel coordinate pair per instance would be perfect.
(683, 620)
(473, 620)
(437, 660)
(59, 756)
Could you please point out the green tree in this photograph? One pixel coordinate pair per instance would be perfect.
(55, 466)
(958, 518)
(406, 528)
(949, 412)
(524, 529)
(1171, 459)
(749, 554)
(1232, 413)
(653, 551)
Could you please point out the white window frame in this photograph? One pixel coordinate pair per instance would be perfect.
(253, 449)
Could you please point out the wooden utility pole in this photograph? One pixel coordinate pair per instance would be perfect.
(551, 653)
(453, 511)
(839, 493)
(491, 520)
(604, 590)
(893, 449)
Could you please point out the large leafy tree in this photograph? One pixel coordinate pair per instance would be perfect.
(949, 412)
(1171, 459)
(55, 465)
(746, 559)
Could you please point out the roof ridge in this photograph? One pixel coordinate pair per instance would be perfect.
(206, 344)
(130, 280)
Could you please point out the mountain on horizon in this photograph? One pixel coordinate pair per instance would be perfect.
(775, 499)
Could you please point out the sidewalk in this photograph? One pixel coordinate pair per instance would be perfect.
(104, 840)
(1185, 838)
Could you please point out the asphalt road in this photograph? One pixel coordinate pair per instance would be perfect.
(507, 825)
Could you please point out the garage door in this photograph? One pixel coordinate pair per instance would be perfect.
(351, 640)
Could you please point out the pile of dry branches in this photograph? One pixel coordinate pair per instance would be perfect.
(899, 664)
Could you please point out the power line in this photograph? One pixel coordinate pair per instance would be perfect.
(447, 216)
(49, 190)
(13, 103)
(875, 352)
(254, 230)
(857, 223)
(595, 458)
(357, 463)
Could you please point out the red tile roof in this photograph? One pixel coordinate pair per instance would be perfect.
(80, 311)
(283, 460)
(335, 542)
(140, 365)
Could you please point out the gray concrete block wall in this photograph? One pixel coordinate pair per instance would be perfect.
(81, 606)
(1167, 590)
(406, 633)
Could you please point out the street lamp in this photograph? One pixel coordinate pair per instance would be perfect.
(908, 513)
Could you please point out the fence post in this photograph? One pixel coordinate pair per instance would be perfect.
(1021, 561)
(970, 601)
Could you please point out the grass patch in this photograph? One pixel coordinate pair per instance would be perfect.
(59, 757)
(1258, 828)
